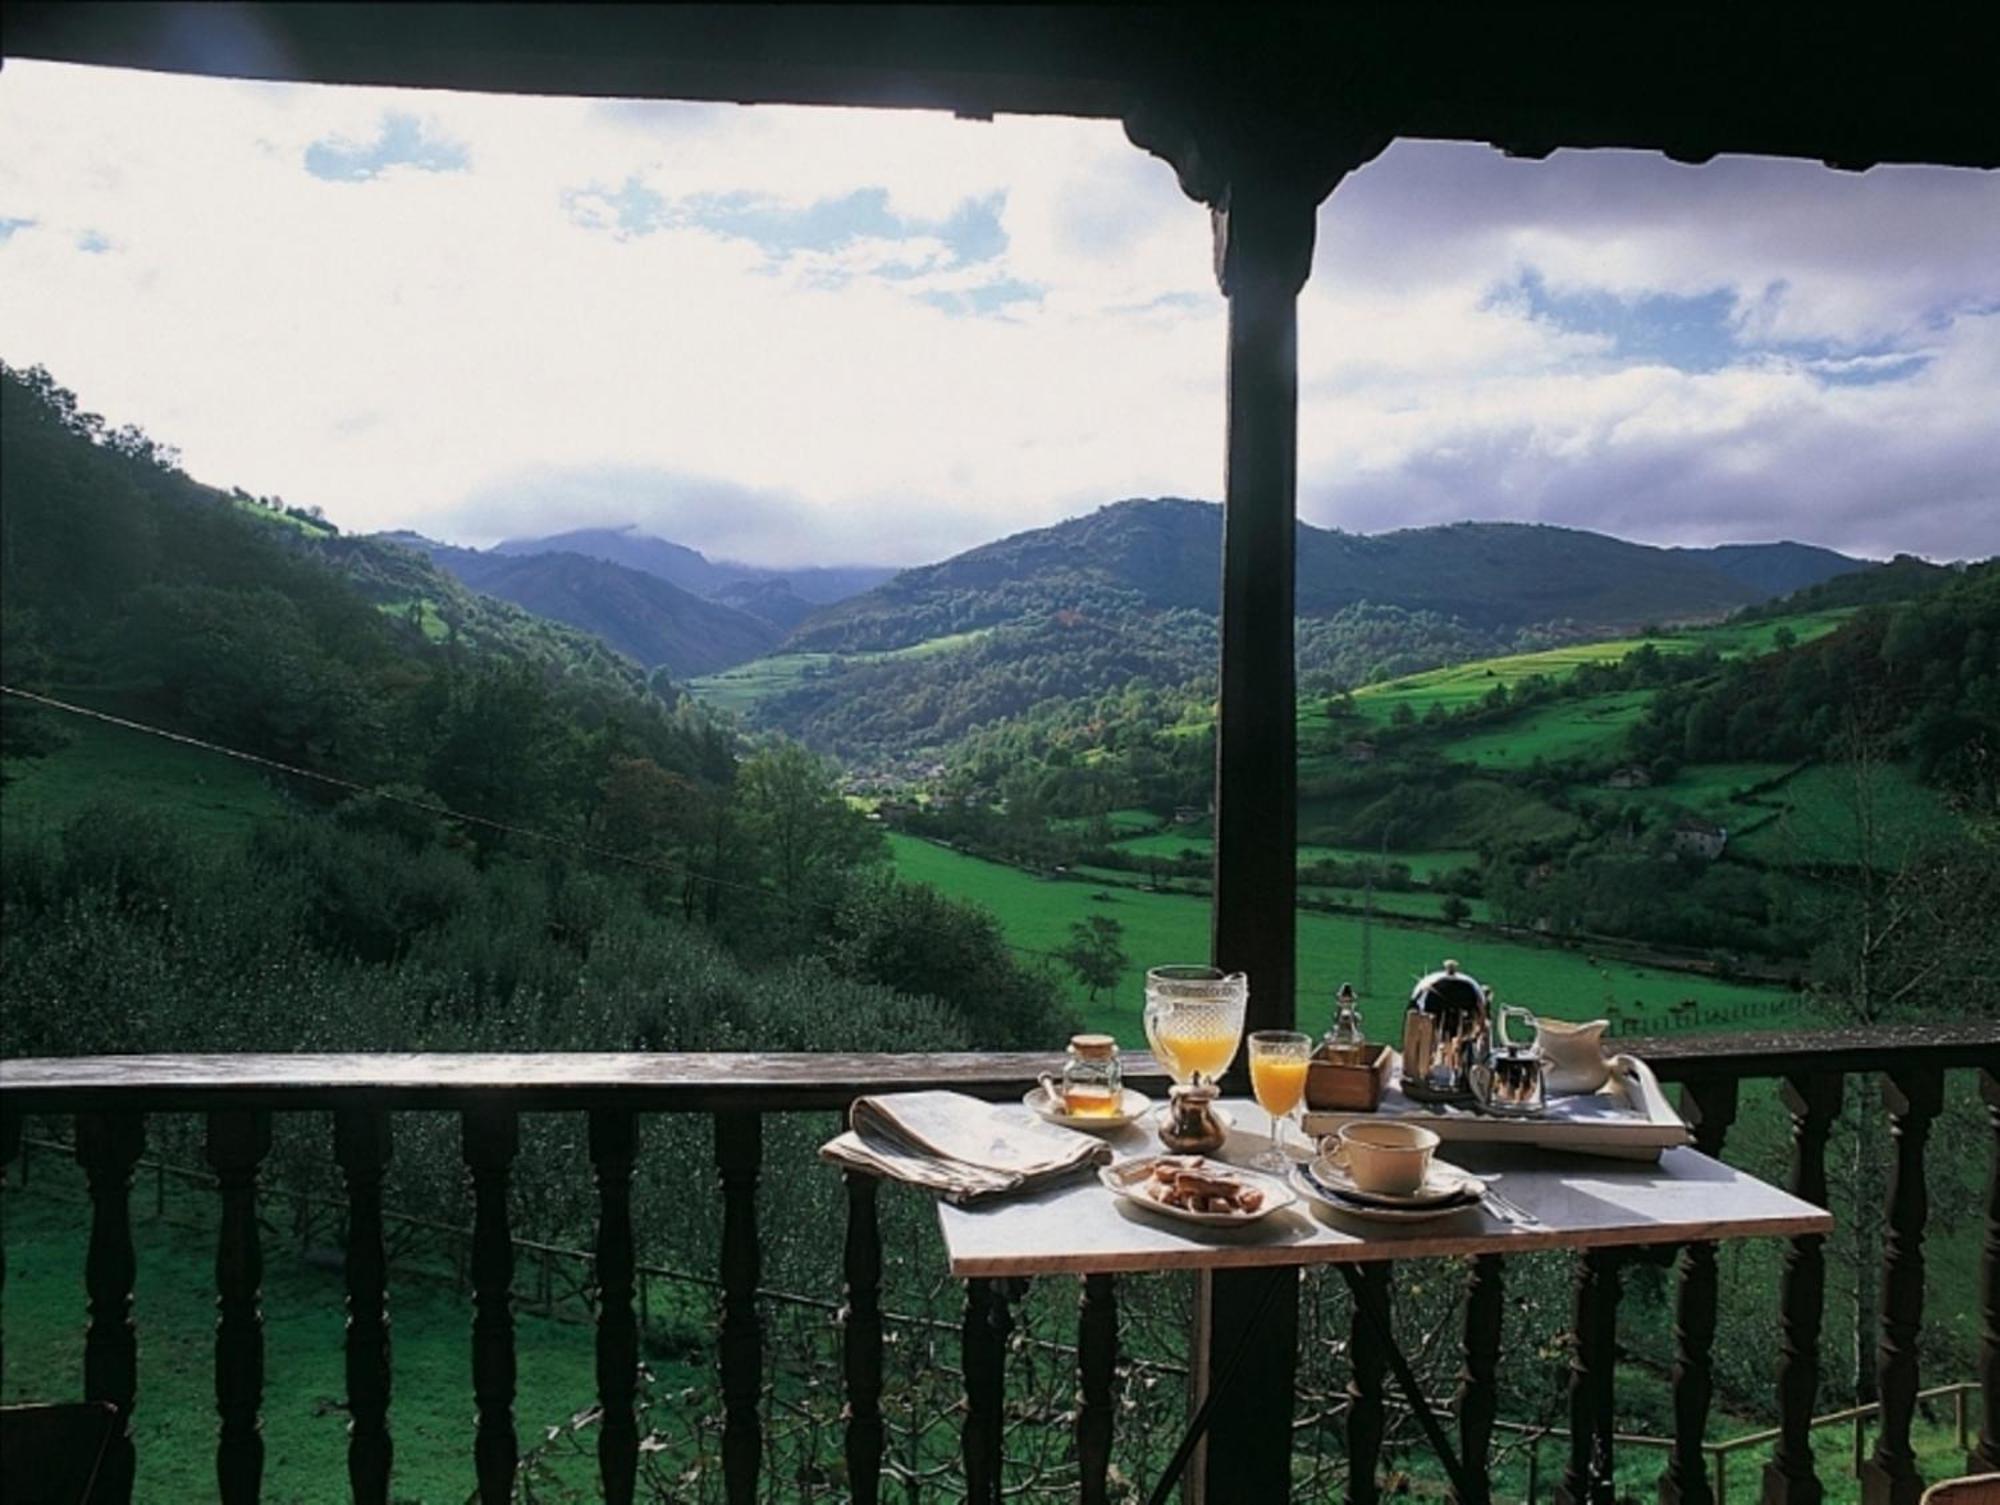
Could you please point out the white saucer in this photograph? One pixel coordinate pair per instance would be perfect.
(1131, 1108)
(1304, 1183)
(1445, 1185)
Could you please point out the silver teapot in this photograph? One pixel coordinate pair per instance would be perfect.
(1447, 1031)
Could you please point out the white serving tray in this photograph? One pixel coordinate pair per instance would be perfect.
(1629, 1118)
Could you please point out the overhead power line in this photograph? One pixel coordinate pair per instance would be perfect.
(448, 812)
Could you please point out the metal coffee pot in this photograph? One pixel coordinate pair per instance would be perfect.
(1513, 1081)
(1447, 1031)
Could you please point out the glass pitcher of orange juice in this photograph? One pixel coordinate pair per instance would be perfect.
(1194, 1019)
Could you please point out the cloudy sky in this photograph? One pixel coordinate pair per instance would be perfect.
(801, 336)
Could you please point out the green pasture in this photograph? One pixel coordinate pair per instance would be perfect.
(1717, 791)
(1036, 913)
(1195, 838)
(740, 688)
(1415, 904)
(428, 618)
(207, 794)
(1831, 811)
(1592, 726)
(1462, 684)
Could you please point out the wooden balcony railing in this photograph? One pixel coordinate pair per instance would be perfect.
(110, 1098)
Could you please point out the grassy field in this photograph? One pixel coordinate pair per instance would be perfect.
(1037, 913)
(207, 794)
(1462, 684)
(740, 688)
(1825, 809)
(1588, 727)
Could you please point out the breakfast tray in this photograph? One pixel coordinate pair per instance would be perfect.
(1629, 1118)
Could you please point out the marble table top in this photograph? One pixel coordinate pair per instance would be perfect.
(1080, 1228)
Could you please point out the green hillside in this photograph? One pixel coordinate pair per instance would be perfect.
(742, 687)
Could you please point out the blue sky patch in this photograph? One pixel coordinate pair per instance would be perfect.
(1688, 333)
(972, 231)
(93, 243)
(9, 226)
(991, 298)
(403, 141)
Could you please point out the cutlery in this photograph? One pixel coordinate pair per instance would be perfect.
(1508, 1211)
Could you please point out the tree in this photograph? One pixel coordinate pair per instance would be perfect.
(1454, 909)
(1095, 952)
(802, 827)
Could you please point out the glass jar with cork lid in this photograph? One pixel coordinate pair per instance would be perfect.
(1092, 1084)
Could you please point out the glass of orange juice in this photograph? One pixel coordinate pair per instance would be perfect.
(1194, 1019)
(1279, 1060)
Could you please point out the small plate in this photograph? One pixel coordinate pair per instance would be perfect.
(1130, 1109)
(1446, 1183)
(1304, 1182)
(1130, 1178)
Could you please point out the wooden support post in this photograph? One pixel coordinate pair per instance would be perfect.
(1710, 1108)
(613, 1147)
(1367, 1368)
(1985, 1456)
(1587, 1479)
(1097, 1362)
(861, 1340)
(1478, 1378)
(361, 1145)
(1790, 1477)
(238, 1141)
(1263, 174)
(10, 1146)
(1890, 1477)
(1264, 240)
(739, 1154)
(108, 1146)
(492, 1137)
(983, 1355)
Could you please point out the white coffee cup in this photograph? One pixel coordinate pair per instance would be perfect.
(1389, 1159)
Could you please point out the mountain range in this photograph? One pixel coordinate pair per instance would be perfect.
(1164, 555)
(665, 604)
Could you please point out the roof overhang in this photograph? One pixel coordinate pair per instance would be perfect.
(1852, 86)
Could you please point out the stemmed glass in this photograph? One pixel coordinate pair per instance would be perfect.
(1194, 1019)
(1279, 1059)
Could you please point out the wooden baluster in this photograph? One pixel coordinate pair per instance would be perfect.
(1985, 1455)
(238, 1141)
(1710, 1108)
(739, 1150)
(108, 1146)
(1890, 1476)
(1789, 1478)
(861, 1340)
(1367, 1366)
(10, 1146)
(1097, 1358)
(613, 1148)
(1478, 1378)
(492, 1137)
(983, 1356)
(361, 1146)
(1587, 1478)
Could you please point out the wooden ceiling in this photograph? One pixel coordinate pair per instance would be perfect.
(1852, 86)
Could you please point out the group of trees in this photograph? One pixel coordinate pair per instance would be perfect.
(1921, 676)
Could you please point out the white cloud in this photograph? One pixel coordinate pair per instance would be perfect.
(462, 351)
